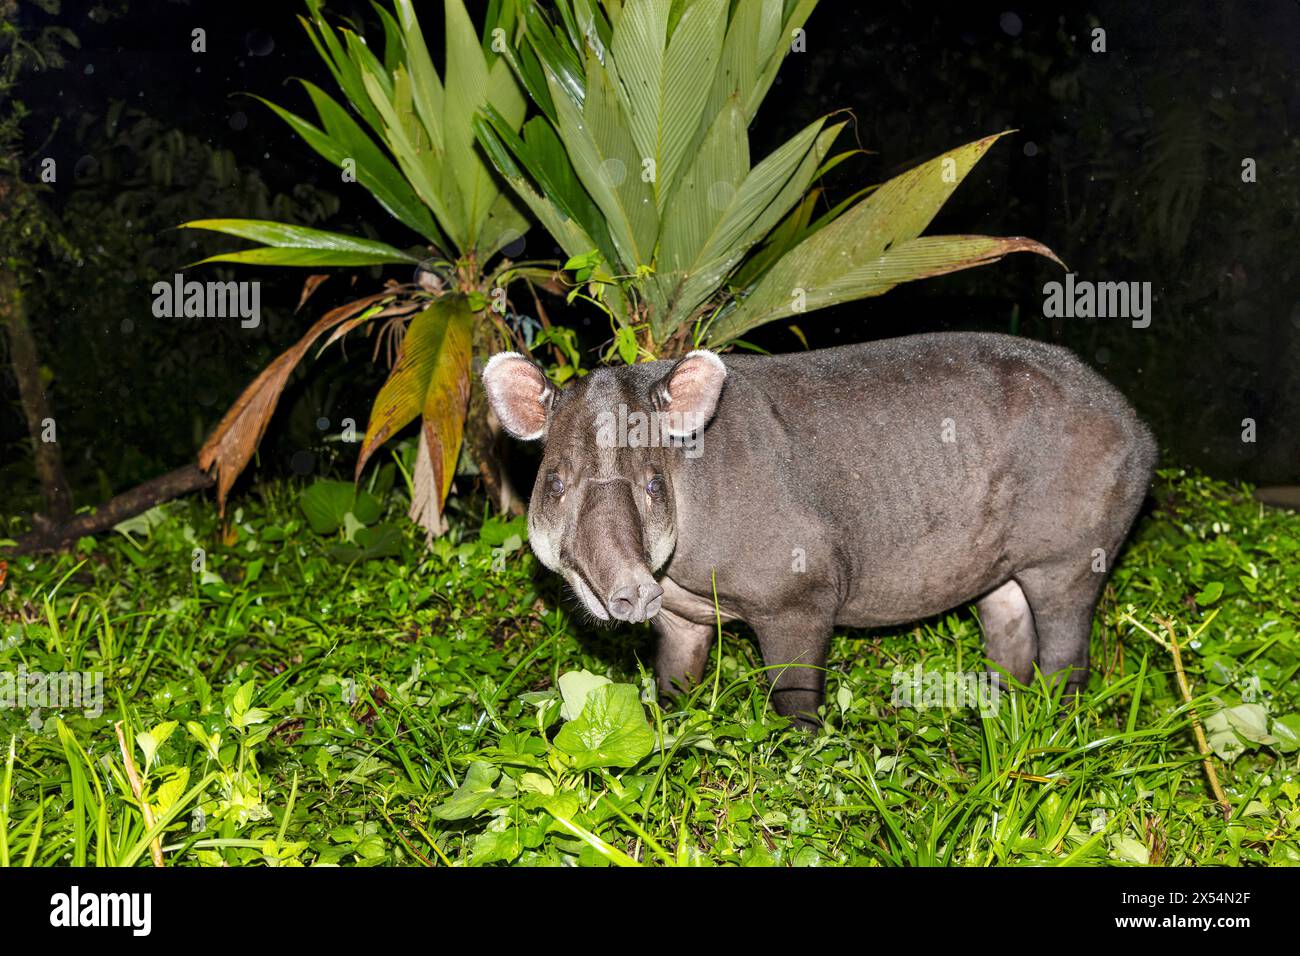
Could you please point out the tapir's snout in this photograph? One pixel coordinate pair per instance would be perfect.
(635, 602)
(608, 554)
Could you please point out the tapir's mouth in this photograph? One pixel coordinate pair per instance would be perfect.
(588, 596)
(632, 602)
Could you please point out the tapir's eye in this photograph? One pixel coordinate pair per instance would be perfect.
(655, 486)
(557, 485)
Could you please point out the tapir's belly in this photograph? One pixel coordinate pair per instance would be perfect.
(897, 584)
(921, 578)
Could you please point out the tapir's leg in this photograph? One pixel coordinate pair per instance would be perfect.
(799, 641)
(683, 651)
(1010, 640)
(1063, 596)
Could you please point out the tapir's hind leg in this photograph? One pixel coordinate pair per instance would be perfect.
(1010, 640)
(1063, 597)
(1063, 586)
(1063, 592)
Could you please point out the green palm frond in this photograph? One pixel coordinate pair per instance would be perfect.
(408, 138)
(642, 155)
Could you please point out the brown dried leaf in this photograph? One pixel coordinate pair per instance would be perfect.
(231, 445)
(308, 287)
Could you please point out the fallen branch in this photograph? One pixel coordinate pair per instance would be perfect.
(47, 536)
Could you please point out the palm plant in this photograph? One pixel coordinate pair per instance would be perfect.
(411, 145)
(639, 166)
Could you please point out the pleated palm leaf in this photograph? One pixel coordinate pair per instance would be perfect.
(407, 139)
(639, 166)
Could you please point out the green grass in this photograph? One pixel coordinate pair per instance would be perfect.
(295, 697)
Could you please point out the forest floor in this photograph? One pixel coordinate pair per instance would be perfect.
(317, 688)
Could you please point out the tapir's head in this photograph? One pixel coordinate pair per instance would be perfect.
(603, 512)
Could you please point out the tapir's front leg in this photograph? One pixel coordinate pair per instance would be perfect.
(683, 652)
(794, 645)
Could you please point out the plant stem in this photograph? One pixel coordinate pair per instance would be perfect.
(1201, 743)
(155, 845)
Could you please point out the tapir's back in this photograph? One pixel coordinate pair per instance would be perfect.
(980, 394)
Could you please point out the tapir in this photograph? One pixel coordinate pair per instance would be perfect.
(858, 486)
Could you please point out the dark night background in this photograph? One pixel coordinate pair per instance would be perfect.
(1126, 163)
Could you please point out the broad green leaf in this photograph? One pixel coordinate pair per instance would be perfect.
(738, 66)
(574, 688)
(472, 795)
(394, 47)
(328, 503)
(626, 345)
(611, 731)
(689, 68)
(381, 541)
(211, 744)
(467, 84)
(1128, 849)
(1286, 732)
(343, 139)
(776, 44)
(345, 72)
(640, 38)
(784, 237)
(706, 192)
(504, 219)
(561, 62)
(767, 193)
(531, 75)
(425, 121)
(1210, 593)
(430, 379)
(498, 845)
(921, 258)
(367, 63)
(605, 159)
(298, 245)
(424, 171)
(302, 258)
(868, 248)
(504, 94)
(426, 86)
(151, 740)
(558, 199)
(143, 523)
(171, 790)
(1226, 729)
(404, 106)
(243, 697)
(1251, 721)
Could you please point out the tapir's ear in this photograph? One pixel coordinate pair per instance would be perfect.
(689, 392)
(520, 394)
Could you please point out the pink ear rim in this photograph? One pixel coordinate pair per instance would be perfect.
(691, 390)
(519, 393)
